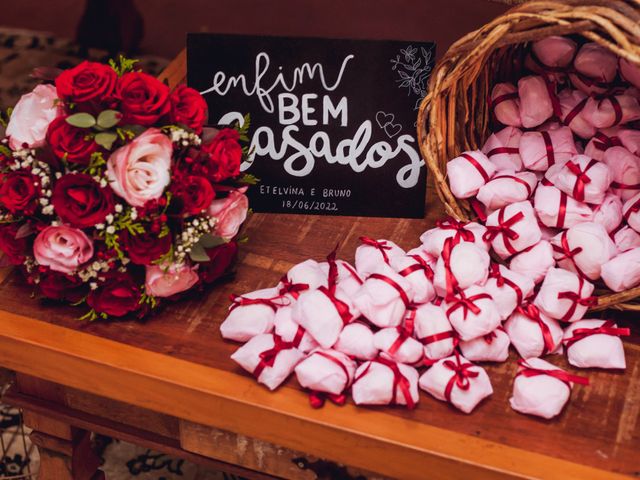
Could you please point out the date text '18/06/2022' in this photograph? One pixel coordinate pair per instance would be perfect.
(326, 197)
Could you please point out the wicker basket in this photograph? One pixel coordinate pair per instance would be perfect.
(455, 111)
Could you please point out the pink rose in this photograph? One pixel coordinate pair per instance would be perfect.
(31, 117)
(164, 282)
(62, 249)
(139, 171)
(231, 212)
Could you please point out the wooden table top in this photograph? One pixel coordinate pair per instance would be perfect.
(177, 363)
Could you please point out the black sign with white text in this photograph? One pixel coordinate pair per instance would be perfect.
(332, 121)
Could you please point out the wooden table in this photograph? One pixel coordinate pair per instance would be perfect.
(169, 384)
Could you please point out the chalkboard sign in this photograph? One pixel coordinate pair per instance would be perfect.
(332, 121)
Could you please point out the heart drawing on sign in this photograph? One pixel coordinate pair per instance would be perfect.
(385, 122)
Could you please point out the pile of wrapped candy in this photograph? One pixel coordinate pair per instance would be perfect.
(557, 192)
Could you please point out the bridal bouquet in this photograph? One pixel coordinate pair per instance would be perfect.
(112, 192)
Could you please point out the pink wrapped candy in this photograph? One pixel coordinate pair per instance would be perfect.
(356, 340)
(418, 273)
(603, 140)
(564, 296)
(609, 213)
(472, 313)
(630, 211)
(398, 344)
(595, 344)
(307, 273)
(348, 279)
(551, 55)
(583, 178)
(507, 188)
(506, 104)
(583, 249)
(327, 371)
(612, 110)
(433, 330)
(556, 209)
(532, 332)
(625, 171)
(630, 72)
(268, 358)
(290, 331)
(384, 297)
(502, 149)
(622, 272)
(468, 172)
(540, 150)
(534, 262)
(492, 347)
(625, 239)
(595, 68)
(460, 266)
(372, 252)
(572, 105)
(630, 139)
(433, 240)
(457, 381)
(536, 105)
(323, 315)
(384, 382)
(507, 288)
(252, 314)
(541, 388)
(512, 229)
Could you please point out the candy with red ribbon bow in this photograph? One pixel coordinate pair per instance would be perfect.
(457, 381)
(584, 179)
(385, 382)
(398, 343)
(268, 358)
(434, 239)
(492, 347)
(502, 149)
(532, 332)
(564, 295)
(513, 229)
(472, 313)
(541, 150)
(291, 331)
(252, 314)
(468, 172)
(460, 266)
(326, 371)
(541, 388)
(419, 273)
(507, 288)
(595, 344)
(433, 330)
(356, 340)
(371, 253)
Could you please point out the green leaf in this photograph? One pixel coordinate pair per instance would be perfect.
(198, 254)
(81, 120)
(106, 139)
(209, 241)
(109, 118)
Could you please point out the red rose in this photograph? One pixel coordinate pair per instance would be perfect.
(70, 143)
(188, 108)
(12, 247)
(221, 258)
(19, 192)
(116, 297)
(88, 82)
(144, 248)
(144, 99)
(80, 201)
(60, 286)
(225, 155)
(196, 194)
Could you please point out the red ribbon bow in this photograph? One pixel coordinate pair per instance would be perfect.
(466, 303)
(582, 179)
(318, 399)
(274, 302)
(576, 299)
(501, 280)
(607, 328)
(382, 246)
(404, 331)
(603, 142)
(567, 253)
(460, 377)
(504, 228)
(527, 370)
(268, 357)
(421, 264)
(533, 313)
(399, 380)
(462, 233)
(293, 289)
(491, 336)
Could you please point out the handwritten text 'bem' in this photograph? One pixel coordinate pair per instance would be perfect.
(311, 110)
